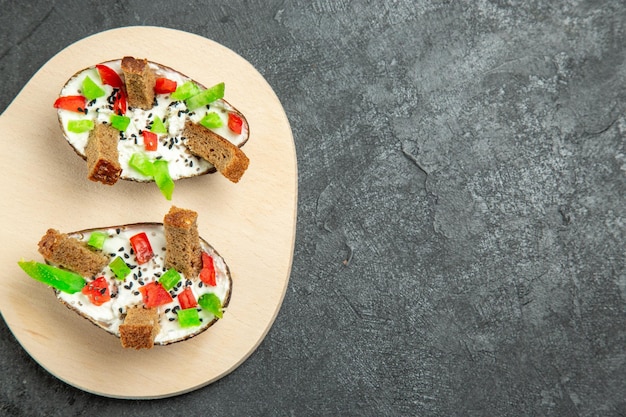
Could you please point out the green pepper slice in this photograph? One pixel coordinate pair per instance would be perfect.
(120, 122)
(61, 279)
(119, 268)
(169, 279)
(90, 89)
(158, 170)
(80, 126)
(96, 239)
(188, 317)
(185, 90)
(142, 164)
(205, 97)
(158, 126)
(211, 303)
(211, 120)
(163, 179)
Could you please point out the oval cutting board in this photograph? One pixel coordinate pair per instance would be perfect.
(252, 224)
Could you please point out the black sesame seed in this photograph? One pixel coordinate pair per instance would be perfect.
(126, 256)
(167, 310)
(120, 310)
(136, 293)
(121, 249)
(171, 319)
(118, 230)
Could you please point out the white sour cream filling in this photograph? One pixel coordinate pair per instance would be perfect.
(171, 146)
(125, 293)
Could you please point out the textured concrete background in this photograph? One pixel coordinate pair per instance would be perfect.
(461, 222)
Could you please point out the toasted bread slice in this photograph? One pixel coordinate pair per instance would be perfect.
(102, 155)
(182, 241)
(140, 327)
(71, 253)
(227, 158)
(140, 80)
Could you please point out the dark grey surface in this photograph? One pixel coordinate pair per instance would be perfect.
(461, 230)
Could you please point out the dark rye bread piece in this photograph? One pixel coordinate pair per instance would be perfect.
(140, 327)
(182, 241)
(140, 80)
(70, 253)
(102, 156)
(226, 157)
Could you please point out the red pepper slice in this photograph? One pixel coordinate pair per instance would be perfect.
(207, 273)
(235, 122)
(154, 295)
(119, 103)
(141, 246)
(71, 103)
(150, 140)
(97, 291)
(109, 76)
(186, 299)
(164, 86)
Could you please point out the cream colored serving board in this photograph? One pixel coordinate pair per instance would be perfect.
(251, 224)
